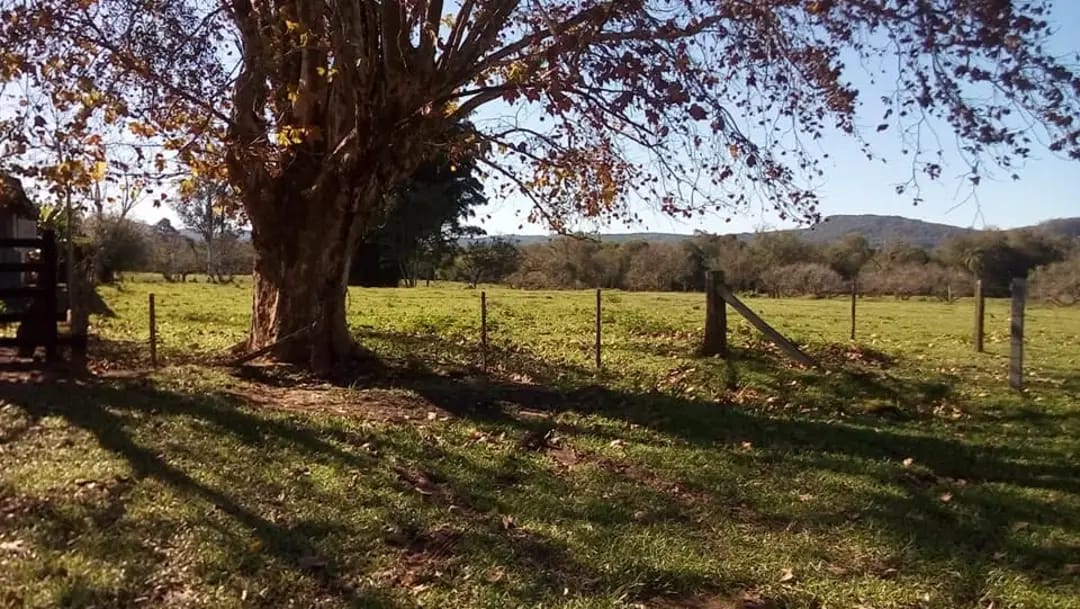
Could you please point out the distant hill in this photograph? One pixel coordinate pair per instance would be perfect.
(878, 230)
(1069, 227)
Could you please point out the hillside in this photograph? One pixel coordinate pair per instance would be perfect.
(881, 229)
(877, 230)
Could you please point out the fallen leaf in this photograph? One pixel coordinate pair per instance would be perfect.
(617, 444)
(907, 462)
(805, 497)
(508, 522)
(1020, 526)
(999, 555)
(787, 575)
(947, 497)
(18, 546)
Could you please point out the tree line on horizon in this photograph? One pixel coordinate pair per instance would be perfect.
(781, 264)
(769, 264)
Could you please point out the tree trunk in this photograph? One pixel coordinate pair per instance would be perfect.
(300, 285)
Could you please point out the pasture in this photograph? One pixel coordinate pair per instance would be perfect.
(904, 475)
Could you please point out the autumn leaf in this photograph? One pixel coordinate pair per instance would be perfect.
(697, 113)
(786, 575)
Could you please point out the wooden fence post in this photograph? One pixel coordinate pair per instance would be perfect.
(980, 315)
(153, 333)
(48, 281)
(854, 295)
(1016, 334)
(483, 331)
(715, 316)
(599, 324)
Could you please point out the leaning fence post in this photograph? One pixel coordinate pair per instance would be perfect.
(980, 315)
(715, 316)
(1016, 334)
(483, 331)
(153, 333)
(598, 329)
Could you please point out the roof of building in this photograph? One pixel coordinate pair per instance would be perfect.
(13, 199)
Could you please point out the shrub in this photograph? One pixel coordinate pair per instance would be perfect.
(907, 280)
(1058, 282)
(810, 278)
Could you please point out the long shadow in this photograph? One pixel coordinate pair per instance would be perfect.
(917, 514)
(97, 412)
(914, 515)
(108, 409)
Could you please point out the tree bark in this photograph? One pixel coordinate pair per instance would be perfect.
(300, 282)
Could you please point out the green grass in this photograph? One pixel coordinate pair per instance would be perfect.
(907, 475)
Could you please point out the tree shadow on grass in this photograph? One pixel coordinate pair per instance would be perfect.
(119, 415)
(105, 410)
(1005, 485)
(994, 484)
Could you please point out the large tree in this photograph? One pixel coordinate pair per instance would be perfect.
(320, 107)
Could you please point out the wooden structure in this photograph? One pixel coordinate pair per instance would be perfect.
(39, 319)
(715, 316)
(18, 221)
(718, 294)
(1016, 334)
(29, 282)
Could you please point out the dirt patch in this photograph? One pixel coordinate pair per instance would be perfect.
(858, 354)
(424, 557)
(311, 396)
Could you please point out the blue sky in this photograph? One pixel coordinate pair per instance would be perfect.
(1049, 188)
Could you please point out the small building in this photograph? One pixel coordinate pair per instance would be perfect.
(18, 220)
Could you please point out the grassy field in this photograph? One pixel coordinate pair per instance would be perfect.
(904, 475)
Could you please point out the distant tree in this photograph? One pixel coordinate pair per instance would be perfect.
(1058, 282)
(901, 252)
(997, 257)
(905, 280)
(172, 254)
(206, 207)
(665, 267)
(486, 261)
(781, 248)
(848, 255)
(111, 236)
(121, 245)
(809, 278)
(426, 221)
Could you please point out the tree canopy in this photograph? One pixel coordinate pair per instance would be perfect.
(318, 109)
